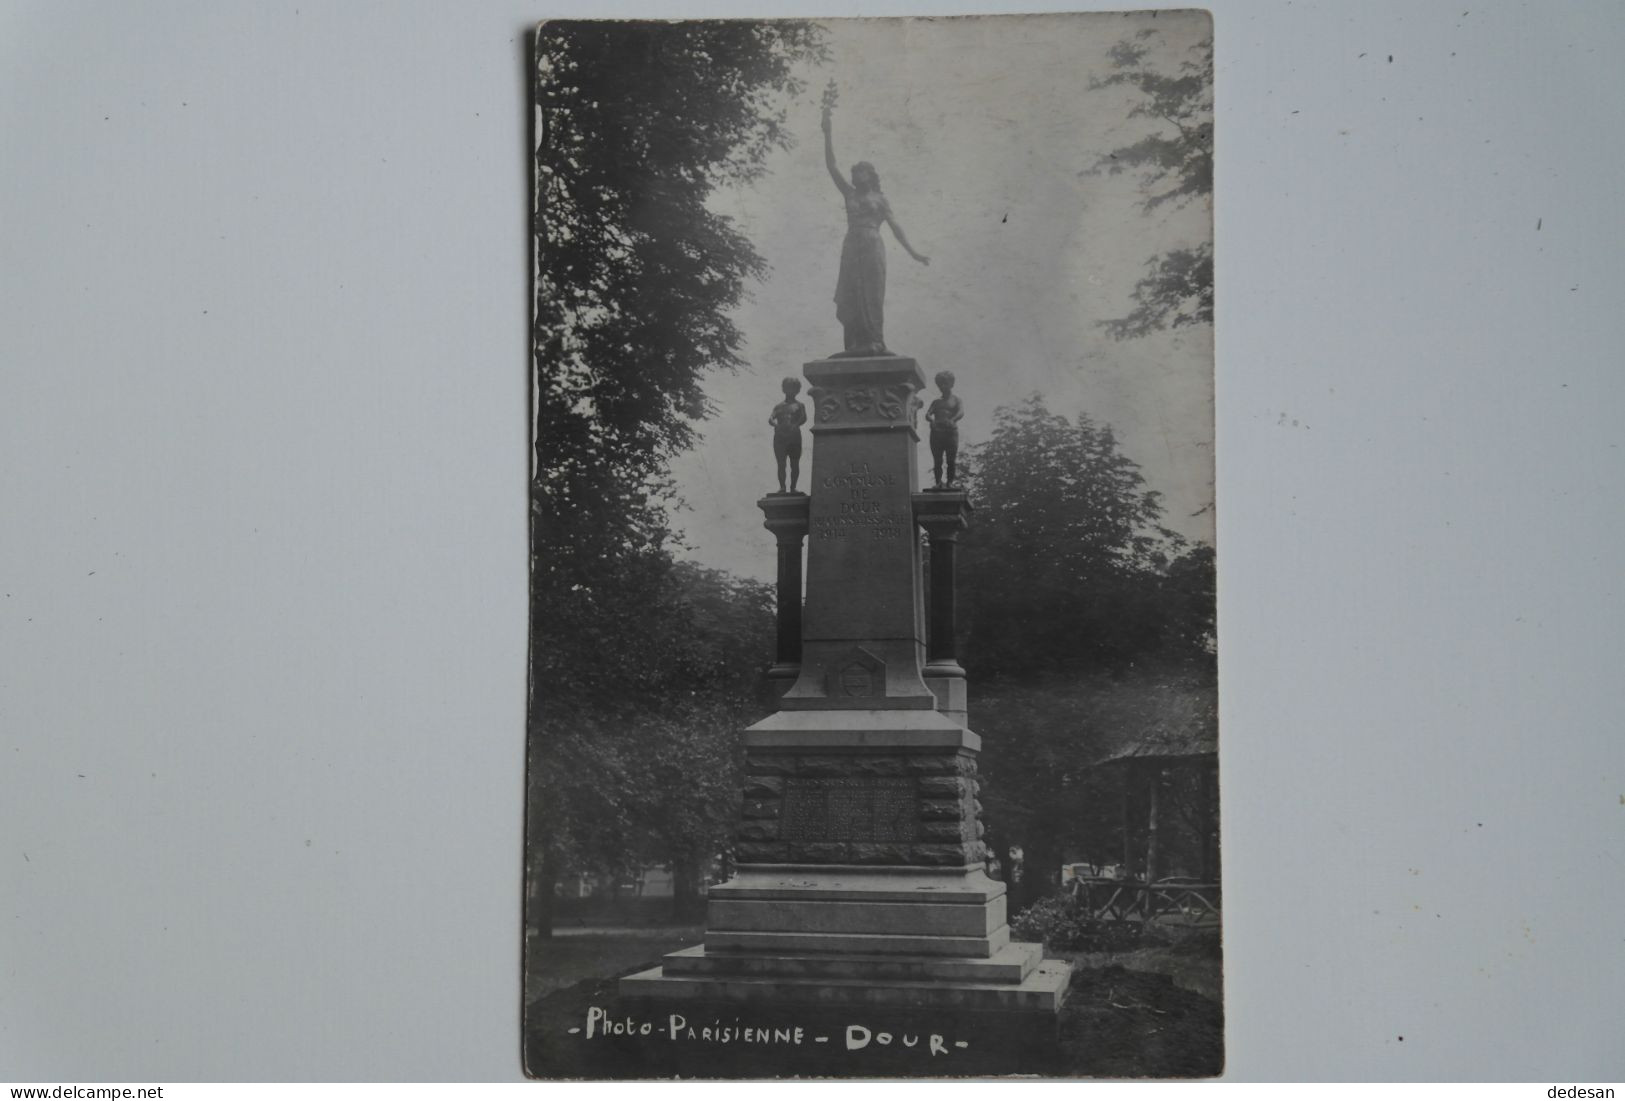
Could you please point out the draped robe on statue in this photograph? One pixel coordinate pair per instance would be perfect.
(860, 292)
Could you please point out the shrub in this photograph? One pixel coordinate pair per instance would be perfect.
(1064, 926)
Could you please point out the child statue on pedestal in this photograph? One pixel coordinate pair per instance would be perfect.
(944, 416)
(787, 418)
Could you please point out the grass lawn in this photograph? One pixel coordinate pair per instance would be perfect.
(557, 962)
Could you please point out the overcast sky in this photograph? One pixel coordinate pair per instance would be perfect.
(983, 131)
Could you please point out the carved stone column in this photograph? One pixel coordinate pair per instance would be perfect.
(786, 518)
(943, 514)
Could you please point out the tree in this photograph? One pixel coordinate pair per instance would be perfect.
(1175, 167)
(1086, 622)
(649, 774)
(636, 123)
(1042, 784)
(1072, 569)
(691, 775)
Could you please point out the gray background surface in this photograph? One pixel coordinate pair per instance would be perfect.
(262, 631)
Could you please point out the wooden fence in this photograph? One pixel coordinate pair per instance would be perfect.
(1168, 901)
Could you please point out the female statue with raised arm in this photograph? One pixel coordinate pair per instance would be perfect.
(860, 292)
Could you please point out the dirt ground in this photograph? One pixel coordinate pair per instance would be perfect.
(1152, 1013)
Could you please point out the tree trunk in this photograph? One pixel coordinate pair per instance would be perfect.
(1205, 816)
(1153, 813)
(543, 890)
(1042, 869)
(687, 900)
(1128, 822)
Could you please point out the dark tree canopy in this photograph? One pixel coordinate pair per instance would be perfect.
(1087, 623)
(1045, 789)
(1175, 167)
(637, 662)
(635, 764)
(637, 123)
(1066, 565)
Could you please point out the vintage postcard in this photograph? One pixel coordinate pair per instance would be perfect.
(873, 724)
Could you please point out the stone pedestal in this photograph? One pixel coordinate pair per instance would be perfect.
(862, 635)
(943, 514)
(786, 517)
(860, 857)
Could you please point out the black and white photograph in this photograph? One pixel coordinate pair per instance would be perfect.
(840, 545)
(874, 725)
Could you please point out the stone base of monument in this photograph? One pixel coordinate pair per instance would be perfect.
(925, 983)
(874, 1014)
(920, 938)
(866, 886)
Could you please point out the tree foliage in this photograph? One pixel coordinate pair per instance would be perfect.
(1067, 565)
(1087, 622)
(1175, 166)
(638, 665)
(1045, 789)
(637, 124)
(635, 276)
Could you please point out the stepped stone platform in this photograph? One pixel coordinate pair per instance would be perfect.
(916, 938)
(858, 981)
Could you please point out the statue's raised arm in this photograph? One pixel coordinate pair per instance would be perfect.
(829, 154)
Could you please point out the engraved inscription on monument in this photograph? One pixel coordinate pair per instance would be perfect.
(859, 501)
(857, 808)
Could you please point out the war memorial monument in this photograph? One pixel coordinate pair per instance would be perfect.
(860, 883)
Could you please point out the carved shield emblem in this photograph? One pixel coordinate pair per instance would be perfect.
(857, 680)
(856, 674)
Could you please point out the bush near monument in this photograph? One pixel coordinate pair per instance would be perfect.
(1059, 923)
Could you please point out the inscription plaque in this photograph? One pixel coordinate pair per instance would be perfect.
(856, 808)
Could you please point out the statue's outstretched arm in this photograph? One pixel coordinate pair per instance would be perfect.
(902, 239)
(829, 158)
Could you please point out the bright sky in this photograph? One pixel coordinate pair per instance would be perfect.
(982, 130)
